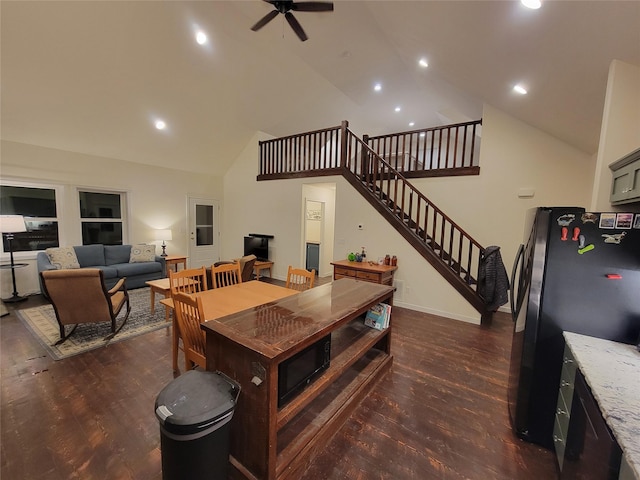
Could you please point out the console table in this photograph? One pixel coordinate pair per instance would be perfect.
(364, 271)
(271, 443)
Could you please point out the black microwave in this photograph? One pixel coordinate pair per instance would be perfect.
(296, 372)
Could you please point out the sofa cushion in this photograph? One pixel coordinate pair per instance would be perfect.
(139, 268)
(90, 255)
(142, 253)
(116, 254)
(63, 257)
(108, 271)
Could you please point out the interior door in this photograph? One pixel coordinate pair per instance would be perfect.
(204, 235)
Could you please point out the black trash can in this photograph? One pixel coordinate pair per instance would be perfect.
(195, 412)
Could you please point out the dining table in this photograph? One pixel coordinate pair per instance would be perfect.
(219, 302)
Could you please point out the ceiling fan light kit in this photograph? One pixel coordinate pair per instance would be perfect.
(285, 7)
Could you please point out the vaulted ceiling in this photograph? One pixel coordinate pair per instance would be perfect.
(93, 76)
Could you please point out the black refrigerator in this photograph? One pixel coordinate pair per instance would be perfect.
(576, 271)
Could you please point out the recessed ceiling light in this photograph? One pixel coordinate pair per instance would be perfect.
(201, 38)
(398, 109)
(160, 124)
(411, 124)
(532, 4)
(423, 62)
(520, 89)
(377, 87)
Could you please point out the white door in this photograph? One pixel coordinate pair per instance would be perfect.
(204, 235)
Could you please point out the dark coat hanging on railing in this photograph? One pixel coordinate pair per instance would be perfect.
(493, 282)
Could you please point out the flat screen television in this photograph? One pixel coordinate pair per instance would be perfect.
(258, 246)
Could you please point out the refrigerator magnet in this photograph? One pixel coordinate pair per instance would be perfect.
(586, 249)
(589, 217)
(617, 238)
(636, 221)
(607, 220)
(624, 220)
(566, 219)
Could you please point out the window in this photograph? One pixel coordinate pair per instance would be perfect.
(38, 206)
(101, 216)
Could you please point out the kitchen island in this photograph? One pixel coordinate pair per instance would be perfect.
(273, 438)
(612, 372)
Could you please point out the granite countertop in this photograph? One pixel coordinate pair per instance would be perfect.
(612, 371)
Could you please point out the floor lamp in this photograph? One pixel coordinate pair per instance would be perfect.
(10, 224)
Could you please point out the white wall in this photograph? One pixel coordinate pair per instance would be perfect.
(157, 197)
(620, 131)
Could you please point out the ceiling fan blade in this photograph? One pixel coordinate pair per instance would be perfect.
(312, 7)
(295, 26)
(264, 20)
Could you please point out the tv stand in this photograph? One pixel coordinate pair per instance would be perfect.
(274, 443)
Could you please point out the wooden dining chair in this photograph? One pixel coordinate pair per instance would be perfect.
(300, 279)
(189, 313)
(225, 275)
(191, 280)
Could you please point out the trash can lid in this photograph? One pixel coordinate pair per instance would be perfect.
(196, 399)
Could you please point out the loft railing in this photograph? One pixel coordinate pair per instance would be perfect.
(438, 151)
(450, 150)
(337, 151)
(309, 154)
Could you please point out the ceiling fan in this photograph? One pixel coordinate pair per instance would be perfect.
(285, 7)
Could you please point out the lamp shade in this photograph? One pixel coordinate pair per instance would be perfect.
(12, 224)
(163, 234)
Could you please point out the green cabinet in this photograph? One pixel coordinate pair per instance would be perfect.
(625, 182)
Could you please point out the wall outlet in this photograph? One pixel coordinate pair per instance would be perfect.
(399, 286)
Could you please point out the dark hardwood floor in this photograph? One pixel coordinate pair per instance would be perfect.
(440, 413)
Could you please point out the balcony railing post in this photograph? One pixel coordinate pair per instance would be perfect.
(344, 129)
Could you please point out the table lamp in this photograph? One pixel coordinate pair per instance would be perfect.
(10, 224)
(163, 235)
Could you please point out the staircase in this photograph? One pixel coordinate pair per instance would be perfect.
(337, 151)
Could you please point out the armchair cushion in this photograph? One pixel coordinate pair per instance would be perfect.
(63, 257)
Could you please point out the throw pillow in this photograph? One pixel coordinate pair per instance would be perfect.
(63, 257)
(142, 253)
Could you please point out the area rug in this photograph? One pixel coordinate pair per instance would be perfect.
(41, 322)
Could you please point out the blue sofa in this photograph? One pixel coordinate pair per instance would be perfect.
(113, 260)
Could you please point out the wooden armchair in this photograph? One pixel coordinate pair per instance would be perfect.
(80, 296)
(225, 275)
(246, 266)
(188, 310)
(300, 279)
